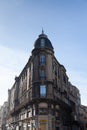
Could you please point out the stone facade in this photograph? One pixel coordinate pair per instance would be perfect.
(83, 117)
(42, 98)
(3, 116)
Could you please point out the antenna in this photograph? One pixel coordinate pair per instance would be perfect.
(42, 31)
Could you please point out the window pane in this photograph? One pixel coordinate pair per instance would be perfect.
(42, 59)
(43, 111)
(42, 42)
(42, 74)
(43, 91)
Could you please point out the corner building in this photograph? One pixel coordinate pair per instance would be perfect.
(42, 98)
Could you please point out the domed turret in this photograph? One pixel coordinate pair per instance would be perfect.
(43, 42)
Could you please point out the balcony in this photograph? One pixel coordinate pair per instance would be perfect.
(65, 100)
(23, 102)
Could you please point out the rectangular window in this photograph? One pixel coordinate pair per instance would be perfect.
(29, 114)
(42, 42)
(42, 60)
(55, 69)
(43, 111)
(64, 79)
(42, 90)
(34, 112)
(42, 74)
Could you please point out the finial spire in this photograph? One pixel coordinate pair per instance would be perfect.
(42, 34)
(42, 31)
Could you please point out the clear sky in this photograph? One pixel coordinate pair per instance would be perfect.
(65, 23)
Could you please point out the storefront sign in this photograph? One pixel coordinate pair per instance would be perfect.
(43, 121)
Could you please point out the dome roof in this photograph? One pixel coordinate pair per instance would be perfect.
(43, 42)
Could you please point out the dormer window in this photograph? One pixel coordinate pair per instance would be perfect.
(42, 42)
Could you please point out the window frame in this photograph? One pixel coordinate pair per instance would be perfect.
(42, 74)
(43, 91)
(42, 42)
(42, 59)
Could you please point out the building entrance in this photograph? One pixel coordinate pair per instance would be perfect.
(43, 126)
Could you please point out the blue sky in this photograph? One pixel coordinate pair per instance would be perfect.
(65, 23)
